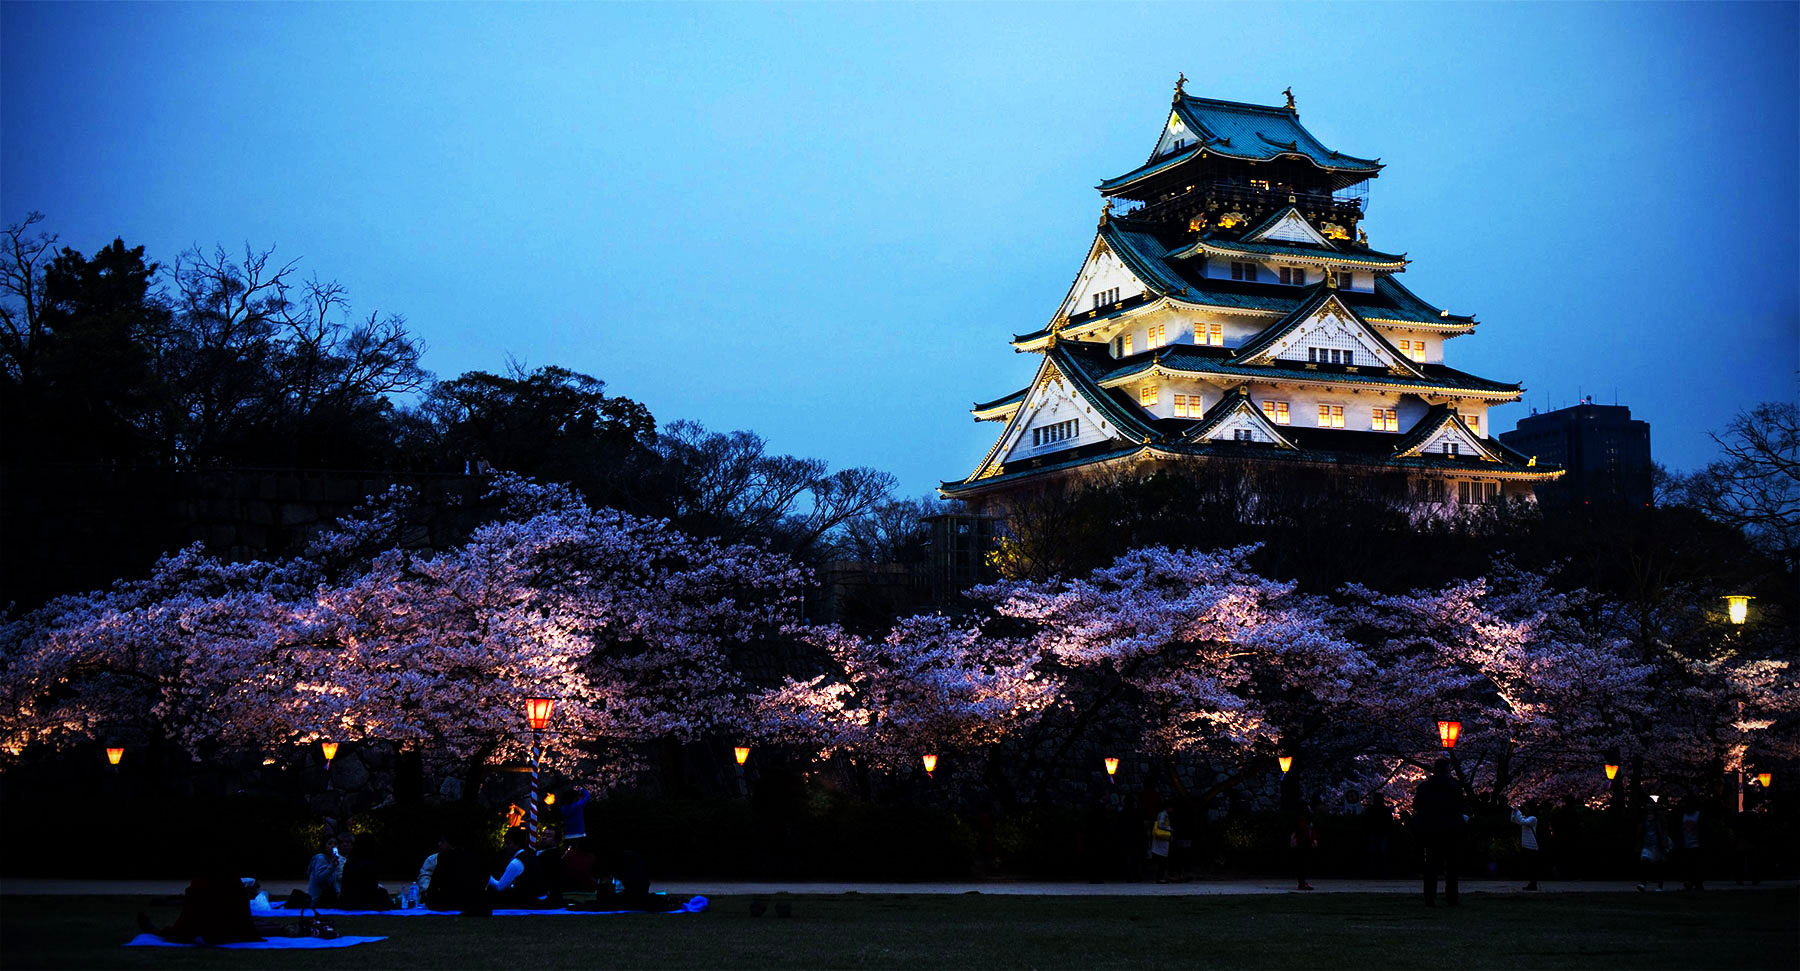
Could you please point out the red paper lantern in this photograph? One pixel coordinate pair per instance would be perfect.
(1449, 732)
(537, 712)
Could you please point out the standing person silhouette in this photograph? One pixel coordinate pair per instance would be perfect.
(1438, 813)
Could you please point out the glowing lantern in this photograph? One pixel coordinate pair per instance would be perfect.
(537, 712)
(1738, 606)
(1612, 771)
(1655, 798)
(1449, 732)
(1112, 768)
(1762, 778)
(549, 798)
(930, 764)
(741, 753)
(330, 750)
(1286, 762)
(113, 755)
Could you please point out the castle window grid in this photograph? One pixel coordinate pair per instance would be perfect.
(1147, 394)
(1062, 431)
(1182, 406)
(1331, 416)
(1156, 336)
(1106, 298)
(1330, 355)
(1477, 491)
(1293, 276)
(1209, 335)
(1276, 411)
(1386, 420)
(1243, 271)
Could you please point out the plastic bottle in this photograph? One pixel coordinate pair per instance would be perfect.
(412, 897)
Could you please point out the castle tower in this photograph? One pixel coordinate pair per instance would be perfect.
(1230, 306)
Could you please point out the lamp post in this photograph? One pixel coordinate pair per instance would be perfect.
(1112, 767)
(537, 715)
(930, 761)
(1612, 772)
(114, 754)
(1286, 762)
(1737, 607)
(1764, 778)
(329, 750)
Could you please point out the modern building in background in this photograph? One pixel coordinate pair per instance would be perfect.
(1605, 452)
(1230, 307)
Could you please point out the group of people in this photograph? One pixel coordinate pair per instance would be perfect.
(527, 875)
(341, 876)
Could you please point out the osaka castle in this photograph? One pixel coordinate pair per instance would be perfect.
(1231, 307)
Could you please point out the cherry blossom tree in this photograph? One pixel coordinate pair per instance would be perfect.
(629, 624)
(931, 684)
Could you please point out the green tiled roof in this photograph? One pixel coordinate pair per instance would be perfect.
(1146, 249)
(1366, 257)
(1012, 399)
(1245, 131)
(1099, 365)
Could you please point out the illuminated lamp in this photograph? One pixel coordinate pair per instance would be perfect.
(1112, 768)
(1612, 771)
(1762, 778)
(114, 754)
(549, 798)
(1738, 606)
(537, 712)
(1655, 798)
(330, 750)
(741, 753)
(1448, 733)
(1286, 762)
(930, 764)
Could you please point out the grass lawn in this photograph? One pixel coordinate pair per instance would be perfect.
(1753, 929)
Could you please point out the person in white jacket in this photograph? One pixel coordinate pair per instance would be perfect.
(1528, 845)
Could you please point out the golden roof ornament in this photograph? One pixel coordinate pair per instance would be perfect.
(1106, 213)
(1289, 93)
(1180, 84)
(1362, 237)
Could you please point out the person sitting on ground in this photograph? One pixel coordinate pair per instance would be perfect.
(518, 886)
(325, 874)
(360, 890)
(458, 881)
(578, 869)
(214, 911)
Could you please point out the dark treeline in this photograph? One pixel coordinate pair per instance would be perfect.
(225, 361)
(1324, 529)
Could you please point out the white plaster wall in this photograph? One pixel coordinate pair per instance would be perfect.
(1173, 131)
(1434, 344)
(1103, 272)
(1054, 403)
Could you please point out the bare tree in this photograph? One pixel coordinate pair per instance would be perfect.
(1756, 486)
(734, 487)
(22, 297)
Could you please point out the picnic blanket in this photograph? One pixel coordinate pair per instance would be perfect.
(694, 905)
(266, 944)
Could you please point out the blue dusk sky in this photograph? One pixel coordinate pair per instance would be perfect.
(822, 222)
